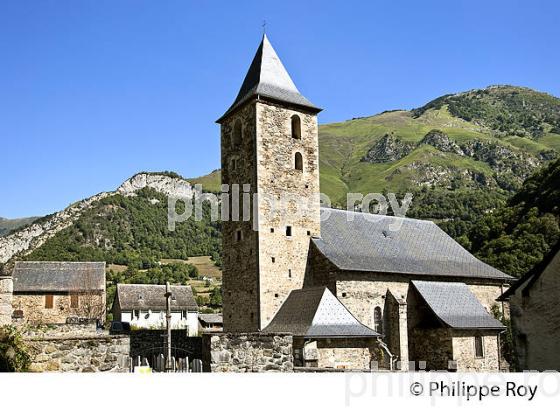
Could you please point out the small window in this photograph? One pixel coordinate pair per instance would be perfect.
(74, 301)
(233, 164)
(296, 127)
(289, 273)
(237, 132)
(49, 301)
(308, 233)
(343, 294)
(288, 231)
(271, 230)
(276, 295)
(378, 320)
(273, 259)
(478, 346)
(298, 161)
(238, 235)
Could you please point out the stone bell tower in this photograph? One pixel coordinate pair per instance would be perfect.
(269, 145)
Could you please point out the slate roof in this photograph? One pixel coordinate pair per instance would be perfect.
(533, 275)
(268, 78)
(455, 305)
(211, 318)
(378, 243)
(152, 297)
(58, 276)
(316, 313)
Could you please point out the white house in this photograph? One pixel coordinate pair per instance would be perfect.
(144, 306)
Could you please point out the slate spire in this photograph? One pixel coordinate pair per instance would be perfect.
(267, 77)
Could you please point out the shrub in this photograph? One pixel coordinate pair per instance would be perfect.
(13, 353)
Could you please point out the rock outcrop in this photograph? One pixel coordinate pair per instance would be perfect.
(25, 240)
(441, 141)
(389, 148)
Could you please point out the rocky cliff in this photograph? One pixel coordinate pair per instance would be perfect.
(31, 237)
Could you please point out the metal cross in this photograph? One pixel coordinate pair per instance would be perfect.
(264, 26)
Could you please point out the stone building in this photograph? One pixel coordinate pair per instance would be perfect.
(58, 292)
(535, 315)
(144, 306)
(273, 250)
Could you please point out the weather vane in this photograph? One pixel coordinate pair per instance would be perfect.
(264, 26)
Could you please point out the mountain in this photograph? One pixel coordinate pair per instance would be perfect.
(127, 227)
(489, 139)
(8, 225)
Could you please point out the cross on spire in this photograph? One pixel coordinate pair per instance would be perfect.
(264, 26)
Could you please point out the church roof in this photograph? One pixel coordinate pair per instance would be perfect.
(377, 243)
(315, 312)
(31, 276)
(455, 305)
(145, 297)
(268, 78)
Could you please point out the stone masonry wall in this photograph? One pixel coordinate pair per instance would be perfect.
(276, 179)
(536, 321)
(34, 310)
(240, 262)
(6, 289)
(247, 352)
(464, 352)
(73, 353)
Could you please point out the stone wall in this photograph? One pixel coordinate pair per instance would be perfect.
(72, 353)
(6, 289)
(247, 352)
(148, 342)
(63, 329)
(395, 328)
(35, 312)
(536, 321)
(434, 347)
(339, 353)
(464, 351)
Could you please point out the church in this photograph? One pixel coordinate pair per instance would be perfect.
(351, 288)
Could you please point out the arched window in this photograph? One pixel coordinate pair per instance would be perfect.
(296, 127)
(298, 162)
(237, 133)
(378, 320)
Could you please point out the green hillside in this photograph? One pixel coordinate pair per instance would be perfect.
(516, 236)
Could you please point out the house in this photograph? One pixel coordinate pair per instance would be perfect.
(375, 266)
(210, 322)
(535, 315)
(58, 292)
(144, 306)
(325, 333)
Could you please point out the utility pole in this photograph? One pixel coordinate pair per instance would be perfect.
(168, 361)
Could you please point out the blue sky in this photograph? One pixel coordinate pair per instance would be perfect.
(92, 92)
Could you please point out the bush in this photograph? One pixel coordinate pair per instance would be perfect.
(13, 353)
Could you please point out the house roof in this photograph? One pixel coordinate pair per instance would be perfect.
(316, 313)
(152, 297)
(531, 277)
(211, 318)
(368, 242)
(268, 78)
(58, 276)
(455, 305)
